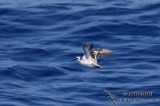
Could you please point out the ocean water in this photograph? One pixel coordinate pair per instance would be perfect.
(39, 40)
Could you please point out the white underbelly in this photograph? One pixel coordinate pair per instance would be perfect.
(87, 63)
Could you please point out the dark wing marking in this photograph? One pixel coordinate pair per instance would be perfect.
(87, 49)
(96, 53)
(110, 96)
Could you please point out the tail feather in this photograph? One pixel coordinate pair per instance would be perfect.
(97, 65)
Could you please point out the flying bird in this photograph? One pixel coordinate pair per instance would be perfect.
(90, 56)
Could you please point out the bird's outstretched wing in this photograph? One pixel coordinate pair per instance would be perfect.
(87, 49)
(111, 96)
(96, 53)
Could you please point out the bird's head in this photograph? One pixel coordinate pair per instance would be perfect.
(78, 58)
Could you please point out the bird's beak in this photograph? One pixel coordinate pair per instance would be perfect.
(74, 59)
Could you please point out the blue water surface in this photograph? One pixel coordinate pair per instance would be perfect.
(40, 38)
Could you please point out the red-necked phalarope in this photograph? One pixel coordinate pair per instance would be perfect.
(90, 56)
